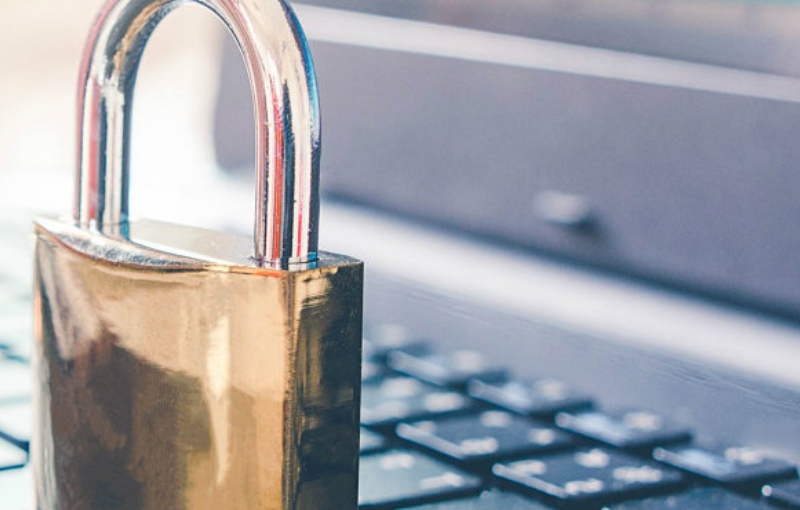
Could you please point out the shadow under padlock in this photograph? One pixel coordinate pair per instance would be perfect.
(175, 370)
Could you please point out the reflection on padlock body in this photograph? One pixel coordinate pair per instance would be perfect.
(174, 382)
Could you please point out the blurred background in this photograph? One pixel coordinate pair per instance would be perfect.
(651, 138)
(40, 53)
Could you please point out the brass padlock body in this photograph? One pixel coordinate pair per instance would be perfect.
(172, 381)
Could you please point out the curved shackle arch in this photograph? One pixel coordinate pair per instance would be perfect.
(285, 100)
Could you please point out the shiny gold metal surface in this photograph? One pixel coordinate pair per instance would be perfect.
(190, 381)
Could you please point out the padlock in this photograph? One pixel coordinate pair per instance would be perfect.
(179, 368)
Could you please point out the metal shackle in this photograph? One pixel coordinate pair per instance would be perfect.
(285, 100)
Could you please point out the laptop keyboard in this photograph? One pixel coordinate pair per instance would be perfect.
(451, 431)
(455, 431)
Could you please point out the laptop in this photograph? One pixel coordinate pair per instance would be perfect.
(577, 225)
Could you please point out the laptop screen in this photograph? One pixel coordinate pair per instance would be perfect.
(652, 139)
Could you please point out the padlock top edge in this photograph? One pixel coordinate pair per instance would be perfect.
(149, 244)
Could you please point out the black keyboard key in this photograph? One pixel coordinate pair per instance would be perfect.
(11, 456)
(785, 494)
(494, 499)
(630, 430)
(589, 477)
(481, 439)
(402, 478)
(541, 398)
(447, 370)
(398, 399)
(706, 498)
(739, 468)
(371, 442)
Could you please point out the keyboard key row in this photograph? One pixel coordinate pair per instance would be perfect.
(738, 468)
(634, 430)
(534, 437)
(451, 432)
(588, 477)
(485, 438)
(540, 398)
(449, 370)
(397, 399)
